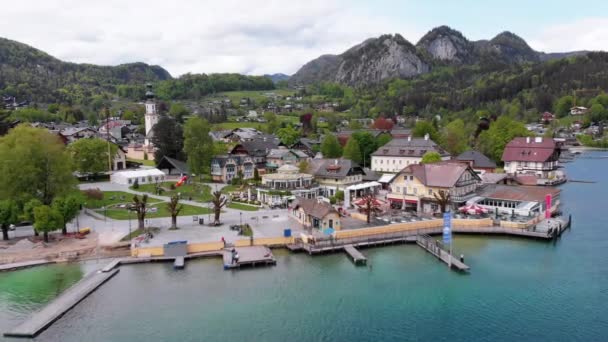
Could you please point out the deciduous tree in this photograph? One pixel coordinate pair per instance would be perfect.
(67, 207)
(430, 157)
(46, 220)
(198, 145)
(168, 139)
(352, 151)
(91, 155)
(139, 206)
(174, 208)
(219, 201)
(9, 214)
(330, 147)
(288, 135)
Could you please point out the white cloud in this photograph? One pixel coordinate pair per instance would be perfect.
(583, 34)
(253, 37)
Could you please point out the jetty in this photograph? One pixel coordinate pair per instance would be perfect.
(40, 320)
(178, 263)
(249, 256)
(357, 257)
(433, 247)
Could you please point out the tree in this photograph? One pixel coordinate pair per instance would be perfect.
(423, 128)
(9, 214)
(370, 205)
(67, 208)
(198, 145)
(306, 120)
(597, 113)
(303, 166)
(455, 137)
(272, 122)
(174, 208)
(34, 164)
(330, 147)
(46, 220)
(384, 124)
(430, 157)
(288, 135)
(219, 201)
(367, 144)
(168, 139)
(139, 206)
(91, 155)
(492, 142)
(563, 105)
(383, 139)
(178, 111)
(256, 176)
(443, 198)
(352, 151)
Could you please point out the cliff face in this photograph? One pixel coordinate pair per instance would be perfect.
(391, 56)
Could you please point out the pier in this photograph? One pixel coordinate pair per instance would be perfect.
(249, 256)
(357, 257)
(431, 246)
(40, 320)
(178, 264)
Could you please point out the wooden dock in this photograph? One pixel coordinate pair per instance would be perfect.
(431, 246)
(24, 264)
(249, 256)
(357, 257)
(40, 320)
(178, 264)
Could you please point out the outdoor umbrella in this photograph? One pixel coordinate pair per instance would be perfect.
(473, 209)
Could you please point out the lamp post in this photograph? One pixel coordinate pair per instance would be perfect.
(241, 217)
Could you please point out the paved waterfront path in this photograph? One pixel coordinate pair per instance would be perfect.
(24, 264)
(40, 320)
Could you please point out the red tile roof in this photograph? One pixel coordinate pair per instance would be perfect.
(531, 149)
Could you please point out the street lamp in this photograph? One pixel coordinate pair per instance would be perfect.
(241, 217)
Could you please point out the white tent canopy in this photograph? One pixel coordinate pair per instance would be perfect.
(143, 176)
(356, 187)
(387, 177)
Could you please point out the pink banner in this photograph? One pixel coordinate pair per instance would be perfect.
(548, 206)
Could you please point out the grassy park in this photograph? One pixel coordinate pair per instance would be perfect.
(198, 192)
(111, 198)
(241, 206)
(157, 210)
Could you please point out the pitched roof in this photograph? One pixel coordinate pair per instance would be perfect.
(415, 147)
(314, 207)
(530, 149)
(478, 159)
(440, 175)
(518, 193)
(170, 163)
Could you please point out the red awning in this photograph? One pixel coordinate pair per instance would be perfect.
(400, 200)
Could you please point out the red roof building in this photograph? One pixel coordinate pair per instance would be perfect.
(533, 156)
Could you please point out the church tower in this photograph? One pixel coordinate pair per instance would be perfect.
(151, 116)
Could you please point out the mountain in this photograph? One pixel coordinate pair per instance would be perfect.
(391, 56)
(29, 73)
(370, 62)
(277, 77)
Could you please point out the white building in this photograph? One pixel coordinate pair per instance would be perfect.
(399, 153)
(142, 176)
(151, 116)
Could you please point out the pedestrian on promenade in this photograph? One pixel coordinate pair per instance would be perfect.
(236, 257)
(224, 241)
(233, 252)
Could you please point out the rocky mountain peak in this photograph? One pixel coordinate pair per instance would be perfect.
(446, 44)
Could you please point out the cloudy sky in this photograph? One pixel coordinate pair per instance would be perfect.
(268, 36)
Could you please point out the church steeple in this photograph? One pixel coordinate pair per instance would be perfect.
(151, 117)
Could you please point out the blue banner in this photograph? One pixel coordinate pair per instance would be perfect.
(447, 228)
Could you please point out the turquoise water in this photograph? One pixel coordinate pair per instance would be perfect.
(518, 290)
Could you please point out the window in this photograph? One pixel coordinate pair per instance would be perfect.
(394, 161)
(130, 181)
(398, 189)
(411, 178)
(430, 191)
(415, 191)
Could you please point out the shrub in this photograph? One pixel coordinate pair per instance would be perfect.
(95, 194)
(333, 200)
(136, 184)
(172, 186)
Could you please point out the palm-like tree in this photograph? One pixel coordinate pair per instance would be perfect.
(443, 198)
(219, 201)
(139, 207)
(174, 208)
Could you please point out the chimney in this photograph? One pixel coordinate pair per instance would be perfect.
(527, 140)
(426, 136)
(409, 138)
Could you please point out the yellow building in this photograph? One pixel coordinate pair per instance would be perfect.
(417, 186)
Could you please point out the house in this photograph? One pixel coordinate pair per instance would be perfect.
(314, 213)
(74, 133)
(547, 117)
(227, 167)
(335, 174)
(257, 149)
(252, 114)
(516, 200)
(288, 181)
(278, 157)
(578, 110)
(308, 146)
(399, 153)
(173, 166)
(477, 161)
(417, 186)
(535, 156)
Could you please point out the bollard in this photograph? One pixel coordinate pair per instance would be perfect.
(462, 258)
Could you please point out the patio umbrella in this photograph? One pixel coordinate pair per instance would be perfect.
(361, 202)
(328, 231)
(473, 209)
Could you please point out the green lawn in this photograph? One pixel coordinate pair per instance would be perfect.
(198, 192)
(256, 95)
(230, 188)
(123, 214)
(112, 198)
(241, 206)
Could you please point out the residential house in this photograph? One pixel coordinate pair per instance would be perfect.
(225, 168)
(399, 153)
(314, 213)
(257, 149)
(335, 174)
(417, 186)
(278, 157)
(578, 110)
(75, 133)
(547, 117)
(288, 181)
(478, 161)
(308, 146)
(534, 156)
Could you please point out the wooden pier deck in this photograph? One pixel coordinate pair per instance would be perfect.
(178, 264)
(40, 320)
(357, 257)
(249, 256)
(429, 245)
